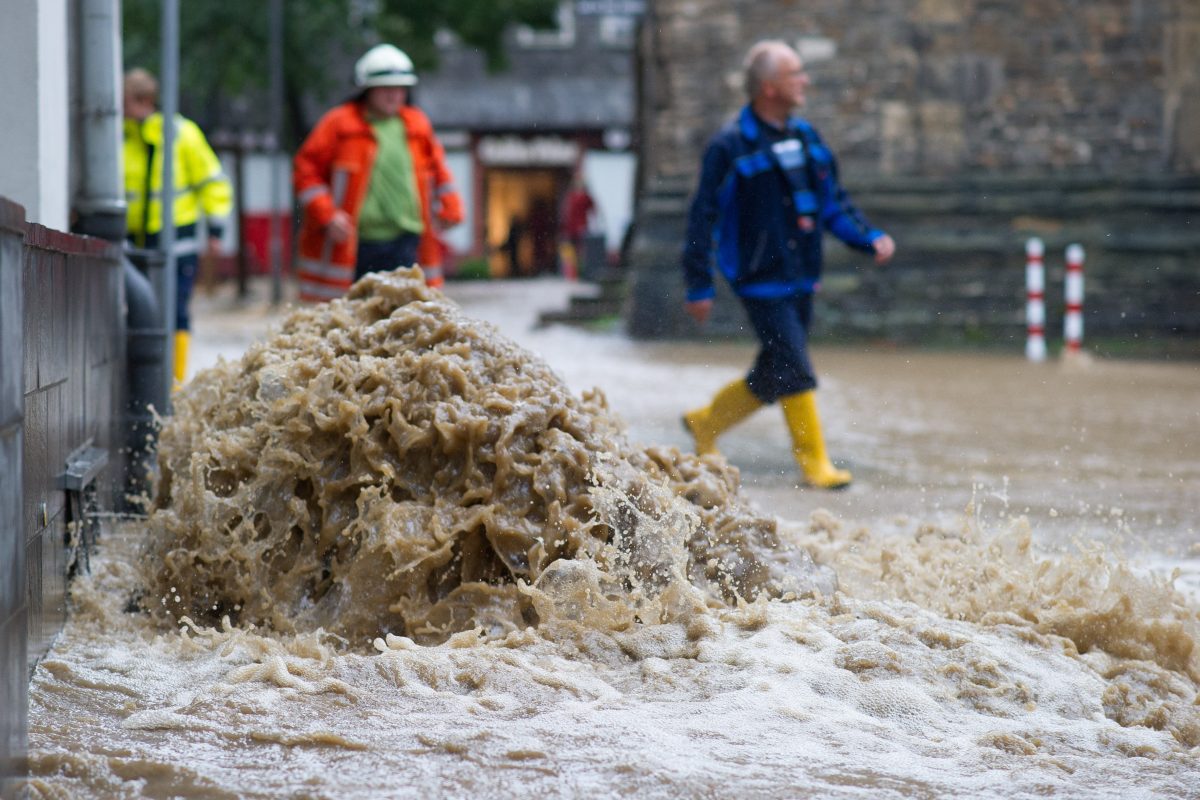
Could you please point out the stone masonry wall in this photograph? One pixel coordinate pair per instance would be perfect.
(962, 127)
(941, 87)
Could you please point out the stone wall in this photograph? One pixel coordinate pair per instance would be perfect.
(962, 127)
(941, 87)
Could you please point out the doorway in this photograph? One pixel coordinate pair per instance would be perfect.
(522, 220)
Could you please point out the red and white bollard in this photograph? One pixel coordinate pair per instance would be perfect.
(1035, 301)
(1073, 291)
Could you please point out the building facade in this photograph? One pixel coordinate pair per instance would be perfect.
(34, 130)
(514, 140)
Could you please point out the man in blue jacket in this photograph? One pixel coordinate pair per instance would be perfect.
(768, 190)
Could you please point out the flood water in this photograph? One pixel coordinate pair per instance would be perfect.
(1018, 572)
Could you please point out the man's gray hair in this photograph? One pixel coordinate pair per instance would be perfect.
(762, 64)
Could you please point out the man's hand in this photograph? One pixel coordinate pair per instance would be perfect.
(340, 227)
(885, 248)
(212, 248)
(699, 310)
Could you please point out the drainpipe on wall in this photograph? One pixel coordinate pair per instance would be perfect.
(145, 360)
(100, 198)
(100, 207)
(169, 95)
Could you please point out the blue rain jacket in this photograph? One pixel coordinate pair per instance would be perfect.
(760, 208)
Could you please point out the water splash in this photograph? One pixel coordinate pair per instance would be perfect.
(384, 465)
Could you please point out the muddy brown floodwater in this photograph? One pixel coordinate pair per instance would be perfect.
(401, 551)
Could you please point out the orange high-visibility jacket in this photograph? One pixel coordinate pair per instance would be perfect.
(332, 170)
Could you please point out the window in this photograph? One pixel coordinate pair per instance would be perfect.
(563, 37)
(618, 30)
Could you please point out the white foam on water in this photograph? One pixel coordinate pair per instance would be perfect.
(840, 697)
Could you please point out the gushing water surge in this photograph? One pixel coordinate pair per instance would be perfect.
(391, 555)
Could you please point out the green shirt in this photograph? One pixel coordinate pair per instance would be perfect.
(393, 204)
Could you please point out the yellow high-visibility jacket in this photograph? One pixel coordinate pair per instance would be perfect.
(199, 182)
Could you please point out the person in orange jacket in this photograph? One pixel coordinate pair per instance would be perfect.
(372, 181)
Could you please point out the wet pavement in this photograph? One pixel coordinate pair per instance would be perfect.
(1090, 450)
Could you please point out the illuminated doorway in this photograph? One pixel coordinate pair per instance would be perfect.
(522, 219)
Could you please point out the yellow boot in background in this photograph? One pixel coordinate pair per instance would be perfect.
(731, 405)
(183, 340)
(808, 445)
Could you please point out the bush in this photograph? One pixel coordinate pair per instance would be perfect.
(472, 269)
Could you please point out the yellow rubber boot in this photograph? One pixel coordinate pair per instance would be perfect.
(808, 445)
(183, 340)
(731, 405)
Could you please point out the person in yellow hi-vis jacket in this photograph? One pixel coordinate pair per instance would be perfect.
(200, 186)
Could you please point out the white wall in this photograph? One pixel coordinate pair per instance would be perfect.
(609, 178)
(54, 116)
(35, 123)
(460, 236)
(257, 194)
(18, 93)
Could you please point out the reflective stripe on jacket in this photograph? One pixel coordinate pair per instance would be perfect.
(200, 185)
(332, 170)
(760, 208)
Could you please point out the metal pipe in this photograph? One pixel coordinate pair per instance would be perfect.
(145, 355)
(277, 201)
(166, 237)
(240, 148)
(100, 197)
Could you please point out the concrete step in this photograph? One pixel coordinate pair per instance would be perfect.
(607, 299)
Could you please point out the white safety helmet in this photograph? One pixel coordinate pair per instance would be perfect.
(384, 65)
